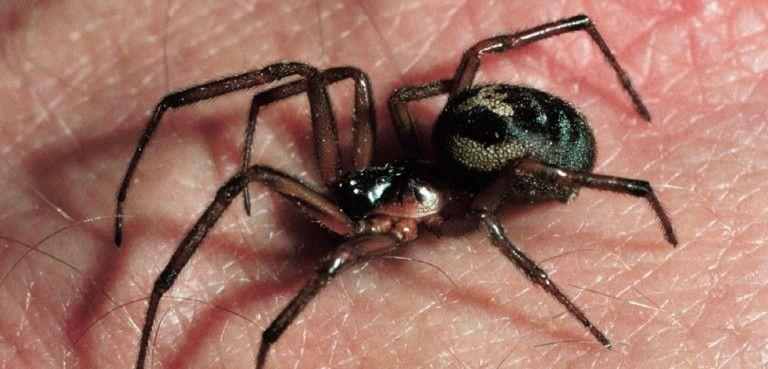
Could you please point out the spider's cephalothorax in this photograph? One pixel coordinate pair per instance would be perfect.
(394, 197)
(487, 127)
(495, 143)
(405, 189)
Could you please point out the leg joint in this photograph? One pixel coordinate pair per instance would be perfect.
(639, 188)
(270, 335)
(582, 20)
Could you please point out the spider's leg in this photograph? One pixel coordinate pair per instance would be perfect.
(470, 62)
(404, 127)
(537, 275)
(483, 205)
(358, 249)
(627, 186)
(322, 119)
(364, 124)
(315, 205)
(485, 202)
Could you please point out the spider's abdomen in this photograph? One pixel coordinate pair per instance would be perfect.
(488, 127)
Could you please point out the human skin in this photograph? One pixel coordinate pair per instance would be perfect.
(77, 83)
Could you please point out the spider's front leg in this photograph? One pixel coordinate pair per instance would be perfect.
(322, 119)
(364, 122)
(398, 110)
(313, 203)
(358, 249)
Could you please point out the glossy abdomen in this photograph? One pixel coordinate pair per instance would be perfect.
(486, 128)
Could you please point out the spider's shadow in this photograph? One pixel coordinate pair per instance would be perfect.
(54, 178)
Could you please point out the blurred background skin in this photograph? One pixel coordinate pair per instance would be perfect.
(78, 79)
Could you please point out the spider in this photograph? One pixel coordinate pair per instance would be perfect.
(494, 143)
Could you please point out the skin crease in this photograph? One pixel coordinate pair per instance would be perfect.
(77, 82)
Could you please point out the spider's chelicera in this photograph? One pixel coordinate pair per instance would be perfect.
(494, 143)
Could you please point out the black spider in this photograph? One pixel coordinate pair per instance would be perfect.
(494, 143)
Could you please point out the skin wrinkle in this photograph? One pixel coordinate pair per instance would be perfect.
(419, 55)
(643, 238)
(37, 105)
(389, 55)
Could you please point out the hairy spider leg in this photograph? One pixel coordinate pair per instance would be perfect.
(634, 187)
(322, 119)
(470, 62)
(361, 248)
(482, 208)
(363, 126)
(485, 203)
(315, 205)
(404, 127)
(537, 275)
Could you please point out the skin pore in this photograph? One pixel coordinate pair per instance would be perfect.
(78, 80)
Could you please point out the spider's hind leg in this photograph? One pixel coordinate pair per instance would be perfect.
(364, 123)
(470, 61)
(537, 275)
(488, 200)
(481, 210)
(634, 187)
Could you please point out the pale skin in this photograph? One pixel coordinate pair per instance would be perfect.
(77, 82)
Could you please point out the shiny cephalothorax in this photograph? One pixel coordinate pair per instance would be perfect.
(494, 143)
(404, 190)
